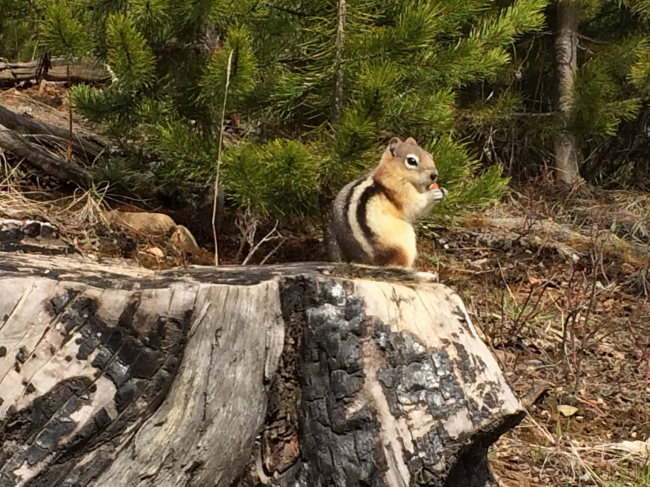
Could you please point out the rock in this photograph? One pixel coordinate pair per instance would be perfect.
(156, 252)
(183, 240)
(155, 224)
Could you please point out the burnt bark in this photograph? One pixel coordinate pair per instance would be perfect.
(307, 374)
(567, 152)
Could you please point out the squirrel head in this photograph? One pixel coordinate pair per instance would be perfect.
(407, 161)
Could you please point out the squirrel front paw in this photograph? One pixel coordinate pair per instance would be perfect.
(437, 193)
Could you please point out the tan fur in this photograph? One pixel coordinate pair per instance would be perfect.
(374, 216)
(393, 231)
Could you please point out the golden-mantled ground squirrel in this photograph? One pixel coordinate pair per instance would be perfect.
(374, 215)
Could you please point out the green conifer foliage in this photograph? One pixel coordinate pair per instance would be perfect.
(243, 70)
(404, 61)
(512, 115)
(128, 53)
(403, 66)
(63, 33)
(17, 30)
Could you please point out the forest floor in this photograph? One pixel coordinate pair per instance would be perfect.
(558, 283)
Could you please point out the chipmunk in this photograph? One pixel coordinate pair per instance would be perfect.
(374, 216)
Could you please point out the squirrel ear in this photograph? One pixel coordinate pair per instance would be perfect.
(392, 145)
(411, 140)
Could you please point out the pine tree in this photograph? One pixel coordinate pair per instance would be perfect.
(17, 30)
(404, 63)
(599, 112)
(399, 69)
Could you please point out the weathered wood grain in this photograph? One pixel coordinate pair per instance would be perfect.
(294, 375)
(84, 72)
(84, 148)
(39, 158)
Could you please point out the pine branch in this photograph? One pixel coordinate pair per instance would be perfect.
(288, 10)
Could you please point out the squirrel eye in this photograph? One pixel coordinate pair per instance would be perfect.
(411, 161)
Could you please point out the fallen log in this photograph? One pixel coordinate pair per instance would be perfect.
(83, 72)
(83, 147)
(39, 158)
(297, 375)
(564, 239)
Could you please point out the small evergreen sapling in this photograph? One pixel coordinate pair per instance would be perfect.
(399, 72)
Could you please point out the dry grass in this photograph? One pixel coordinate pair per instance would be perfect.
(555, 288)
(84, 211)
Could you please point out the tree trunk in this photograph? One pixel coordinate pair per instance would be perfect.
(295, 375)
(566, 52)
(339, 72)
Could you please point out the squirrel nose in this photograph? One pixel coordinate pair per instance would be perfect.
(434, 175)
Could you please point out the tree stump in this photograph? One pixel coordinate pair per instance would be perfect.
(296, 375)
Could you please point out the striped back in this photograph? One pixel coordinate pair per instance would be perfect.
(353, 234)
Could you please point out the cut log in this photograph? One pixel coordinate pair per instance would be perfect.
(39, 158)
(85, 72)
(294, 375)
(83, 147)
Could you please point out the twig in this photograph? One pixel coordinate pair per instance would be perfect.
(541, 429)
(505, 282)
(588, 469)
(70, 128)
(216, 179)
(270, 254)
(586, 337)
(517, 325)
(269, 236)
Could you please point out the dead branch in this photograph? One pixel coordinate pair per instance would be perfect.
(83, 147)
(269, 236)
(39, 158)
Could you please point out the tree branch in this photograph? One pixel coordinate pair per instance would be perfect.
(287, 10)
(41, 159)
(81, 146)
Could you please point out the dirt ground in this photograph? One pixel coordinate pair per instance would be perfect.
(558, 283)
